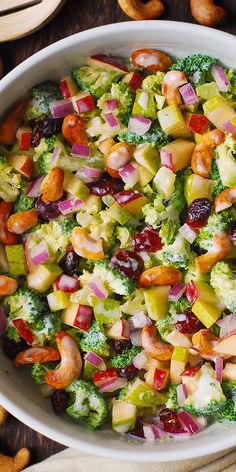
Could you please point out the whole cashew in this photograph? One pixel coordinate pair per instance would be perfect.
(207, 13)
(16, 463)
(220, 248)
(170, 86)
(141, 11)
(203, 152)
(155, 348)
(225, 199)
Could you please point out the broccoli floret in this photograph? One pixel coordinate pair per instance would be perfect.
(23, 202)
(178, 200)
(95, 81)
(208, 398)
(215, 175)
(100, 225)
(67, 226)
(39, 370)
(197, 67)
(172, 402)
(25, 304)
(46, 328)
(223, 280)
(154, 212)
(41, 97)
(135, 304)
(44, 162)
(125, 97)
(153, 82)
(169, 230)
(165, 326)
(177, 254)
(125, 358)
(12, 333)
(87, 404)
(180, 306)
(192, 273)
(155, 136)
(56, 239)
(9, 181)
(228, 411)
(217, 221)
(94, 340)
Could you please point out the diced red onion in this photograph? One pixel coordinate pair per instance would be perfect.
(192, 292)
(140, 360)
(34, 189)
(55, 155)
(139, 124)
(95, 360)
(98, 289)
(220, 78)
(111, 105)
(159, 433)
(188, 233)
(61, 108)
(40, 253)
(139, 320)
(189, 422)
(113, 385)
(81, 150)
(3, 321)
(176, 292)
(70, 205)
(92, 172)
(189, 95)
(227, 325)
(111, 120)
(129, 174)
(182, 394)
(166, 159)
(136, 338)
(68, 283)
(219, 364)
(231, 128)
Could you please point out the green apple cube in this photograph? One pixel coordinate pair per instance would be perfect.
(207, 91)
(160, 101)
(218, 111)
(180, 354)
(107, 310)
(145, 104)
(227, 166)
(16, 259)
(93, 204)
(58, 300)
(75, 186)
(180, 152)
(142, 395)
(43, 277)
(208, 314)
(148, 157)
(119, 214)
(173, 123)
(144, 175)
(156, 300)
(69, 314)
(124, 416)
(196, 186)
(164, 181)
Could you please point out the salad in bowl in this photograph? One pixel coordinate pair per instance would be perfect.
(117, 242)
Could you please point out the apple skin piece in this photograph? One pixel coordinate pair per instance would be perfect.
(157, 378)
(144, 175)
(178, 362)
(156, 300)
(107, 62)
(218, 111)
(24, 331)
(229, 372)
(148, 157)
(75, 186)
(206, 313)
(226, 345)
(68, 87)
(77, 315)
(22, 164)
(132, 201)
(134, 80)
(177, 155)
(124, 416)
(142, 395)
(197, 187)
(83, 102)
(119, 214)
(24, 137)
(197, 123)
(119, 330)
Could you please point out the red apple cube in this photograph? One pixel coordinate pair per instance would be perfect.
(24, 136)
(83, 102)
(77, 315)
(119, 330)
(68, 87)
(102, 377)
(67, 283)
(161, 378)
(132, 201)
(191, 371)
(23, 330)
(134, 80)
(197, 123)
(22, 164)
(192, 292)
(108, 62)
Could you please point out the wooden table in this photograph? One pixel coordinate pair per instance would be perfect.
(75, 16)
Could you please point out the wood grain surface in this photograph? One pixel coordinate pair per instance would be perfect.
(76, 15)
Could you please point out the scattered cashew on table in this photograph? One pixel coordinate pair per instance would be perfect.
(22, 457)
(205, 12)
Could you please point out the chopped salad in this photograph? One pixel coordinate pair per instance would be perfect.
(117, 242)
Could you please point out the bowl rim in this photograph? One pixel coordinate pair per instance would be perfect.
(193, 450)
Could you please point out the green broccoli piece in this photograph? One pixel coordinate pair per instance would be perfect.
(154, 212)
(169, 230)
(41, 97)
(39, 370)
(178, 200)
(197, 67)
(223, 280)
(25, 304)
(216, 221)
(125, 358)
(208, 398)
(153, 82)
(177, 254)
(9, 181)
(172, 402)
(165, 326)
(155, 136)
(180, 306)
(114, 281)
(44, 163)
(94, 80)
(94, 340)
(67, 225)
(125, 97)
(46, 328)
(56, 235)
(87, 404)
(23, 202)
(228, 411)
(215, 175)
(12, 333)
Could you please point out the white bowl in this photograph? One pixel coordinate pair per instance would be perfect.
(18, 394)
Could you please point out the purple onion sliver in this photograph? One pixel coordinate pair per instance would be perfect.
(98, 290)
(94, 359)
(181, 394)
(70, 205)
(176, 292)
(81, 150)
(220, 78)
(40, 254)
(231, 128)
(219, 364)
(136, 338)
(189, 422)
(111, 120)
(61, 108)
(188, 94)
(139, 124)
(56, 153)
(92, 172)
(111, 105)
(34, 189)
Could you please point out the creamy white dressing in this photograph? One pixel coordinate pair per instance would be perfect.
(208, 388)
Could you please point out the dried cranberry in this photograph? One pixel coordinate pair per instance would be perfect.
(60, 400)
(138, 430)
(198, 212)
(190, 325)
(47, 210)
(106, 187)
(127, 263)
(128, 372)
(44, 129)
(170, 420)
(11, 348)
(233, 232)
(70, 262)
(148, 241)
(122, 344)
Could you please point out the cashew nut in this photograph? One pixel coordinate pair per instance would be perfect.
(151, 60)
(225, 199)
(202, 154)
(155, 348)
(16, 463)
(207, 13)
(37, 354)
(160, 275)
(221, 247)
(170, 86)
(138, 10)
(3, 415)
(71, 363)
